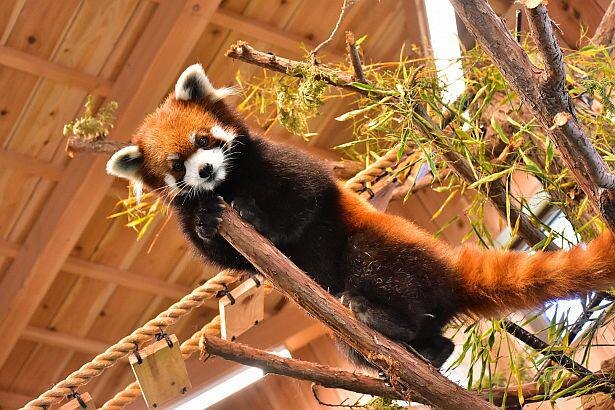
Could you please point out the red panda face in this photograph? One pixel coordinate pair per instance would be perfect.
(183, 145)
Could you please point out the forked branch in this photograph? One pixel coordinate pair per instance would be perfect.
(299, 369)
(543, 92)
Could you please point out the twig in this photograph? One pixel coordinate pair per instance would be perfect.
(345, 7)
(325, 404)
(298, 369)
(355, 59)
(560, 358)
(528, 390)
(97, 146)
(246, 53)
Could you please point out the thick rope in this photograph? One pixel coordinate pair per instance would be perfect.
(375, 170)
(126, 345)
(188, 348)
(170, 316)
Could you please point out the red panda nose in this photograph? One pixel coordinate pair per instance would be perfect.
(205, 171)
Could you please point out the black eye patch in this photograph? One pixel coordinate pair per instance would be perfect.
(203, 141)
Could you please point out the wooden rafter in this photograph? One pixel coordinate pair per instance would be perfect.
(261, 31)
(41, 67)
(10, 400)
(154, 63)
(416, 26)
(63, 340)
(30, 165)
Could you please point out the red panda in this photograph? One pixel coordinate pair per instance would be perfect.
(394, 276)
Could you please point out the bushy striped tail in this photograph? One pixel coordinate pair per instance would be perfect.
(496, 281)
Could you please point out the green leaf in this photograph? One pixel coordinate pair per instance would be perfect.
(499, 130)
(361, 86)
(361, 40)
(490, 178)
(531, 165)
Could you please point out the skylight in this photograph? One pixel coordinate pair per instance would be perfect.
(445, 45)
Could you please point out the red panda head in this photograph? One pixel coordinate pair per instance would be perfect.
(187, 144)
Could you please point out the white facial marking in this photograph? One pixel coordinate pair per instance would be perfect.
(200, 159)
(170, 180)
(222, 134)
(137, 190)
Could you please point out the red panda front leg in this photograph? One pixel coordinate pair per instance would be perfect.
(200, 220)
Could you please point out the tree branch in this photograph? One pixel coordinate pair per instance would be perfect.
(100, 145)
(541, 30)
(355, 59)
(244, 52)
(605, 33)
(323, 375)
(403, 368)
(547, 99)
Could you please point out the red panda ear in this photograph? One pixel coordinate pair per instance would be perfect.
(194, 85)
(126, 163)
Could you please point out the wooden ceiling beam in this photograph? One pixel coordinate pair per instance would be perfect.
(30, 165)
(10, 400)
(151, 68)
(416, 25)
(261, 31)
(121, 277)
(63, 340)
(41, 67)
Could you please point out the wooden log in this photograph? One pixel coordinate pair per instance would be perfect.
(411, 376)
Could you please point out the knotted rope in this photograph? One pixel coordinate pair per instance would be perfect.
(376, 169)
(126, 345)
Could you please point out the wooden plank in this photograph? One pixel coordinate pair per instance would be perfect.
(30, 165)
(161, 372)
(245, 309)
(41, 67)
(151, 68)
(8, 16)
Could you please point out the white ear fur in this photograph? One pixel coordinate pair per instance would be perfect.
(126, 163)
(193, 84)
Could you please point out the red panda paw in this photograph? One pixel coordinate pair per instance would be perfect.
(209, 217)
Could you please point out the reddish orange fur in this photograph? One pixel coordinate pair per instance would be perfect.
(496, 281)
(166, 130)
